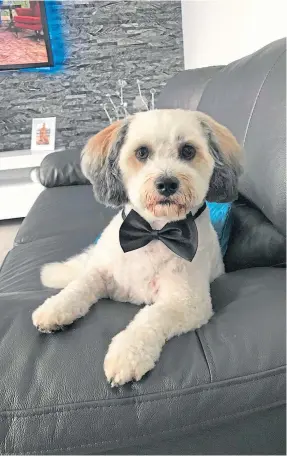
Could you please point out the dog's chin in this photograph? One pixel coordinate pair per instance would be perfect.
(167, 208)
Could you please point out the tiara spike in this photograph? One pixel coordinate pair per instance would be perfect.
(119, 108)
(152, 92)
(107, 112)
(140, 94)
(113, 105)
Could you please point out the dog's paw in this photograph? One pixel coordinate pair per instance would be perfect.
(49, 317)
(128, 359)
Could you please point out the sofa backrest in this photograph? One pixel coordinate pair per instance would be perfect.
(35, 8)
(249, 97)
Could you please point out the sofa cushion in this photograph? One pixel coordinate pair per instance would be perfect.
(254, 241)
(55, 398)
(27, 20)
(62, 222)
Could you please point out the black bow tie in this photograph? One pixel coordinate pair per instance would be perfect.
(181, 237)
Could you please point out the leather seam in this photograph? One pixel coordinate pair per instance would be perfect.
(204, 354)
(5, 259)
(258, 95)
(206, 86)
(207, 348)
(182, 428)
(203, 90)
(13, 415)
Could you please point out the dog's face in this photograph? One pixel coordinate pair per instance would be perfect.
(164, 162)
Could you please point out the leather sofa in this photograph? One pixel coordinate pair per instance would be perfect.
(218, 390)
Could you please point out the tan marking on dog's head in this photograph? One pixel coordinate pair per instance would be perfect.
(228, 157)
(133, 165)
(227, 142)
(100, 165)
(99, 145)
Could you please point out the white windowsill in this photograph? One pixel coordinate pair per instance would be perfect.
(18, 192)
(23, 158)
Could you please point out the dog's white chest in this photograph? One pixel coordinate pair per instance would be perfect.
(136, 274)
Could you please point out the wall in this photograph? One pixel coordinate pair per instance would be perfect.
(220, 31)
(107, 40)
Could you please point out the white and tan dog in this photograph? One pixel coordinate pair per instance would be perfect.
(132, 163)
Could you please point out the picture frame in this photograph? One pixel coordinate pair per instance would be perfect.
(43, 134)
(27, 26)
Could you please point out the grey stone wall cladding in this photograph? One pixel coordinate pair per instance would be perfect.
(107, 41)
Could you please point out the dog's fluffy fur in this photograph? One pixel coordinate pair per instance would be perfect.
(176, 291)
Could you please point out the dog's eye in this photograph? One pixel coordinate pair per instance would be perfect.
(142, 153)
(187, 152)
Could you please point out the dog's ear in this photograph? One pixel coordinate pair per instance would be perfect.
(100, 164)
(227, 155)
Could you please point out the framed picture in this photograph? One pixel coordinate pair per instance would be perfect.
(43, 134)
(24, 35)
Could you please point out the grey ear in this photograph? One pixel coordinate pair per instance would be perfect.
(100, 164)
(227, 155)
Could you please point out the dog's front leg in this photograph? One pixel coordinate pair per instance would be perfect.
(71, 303)
(134, 351)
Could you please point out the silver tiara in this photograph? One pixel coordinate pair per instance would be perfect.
(116, 108)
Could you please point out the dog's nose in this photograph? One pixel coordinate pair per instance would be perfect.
(167, 186)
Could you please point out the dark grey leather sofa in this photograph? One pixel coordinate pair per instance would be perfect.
(218, 390)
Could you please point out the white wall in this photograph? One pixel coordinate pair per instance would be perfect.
(220, 31)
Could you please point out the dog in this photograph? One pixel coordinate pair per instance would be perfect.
(162, 165)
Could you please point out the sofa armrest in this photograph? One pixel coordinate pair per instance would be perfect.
(62, 168)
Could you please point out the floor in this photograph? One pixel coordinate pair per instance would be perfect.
(21, 50)
(8, 231)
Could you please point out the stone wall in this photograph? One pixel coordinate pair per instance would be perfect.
(107, 41)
